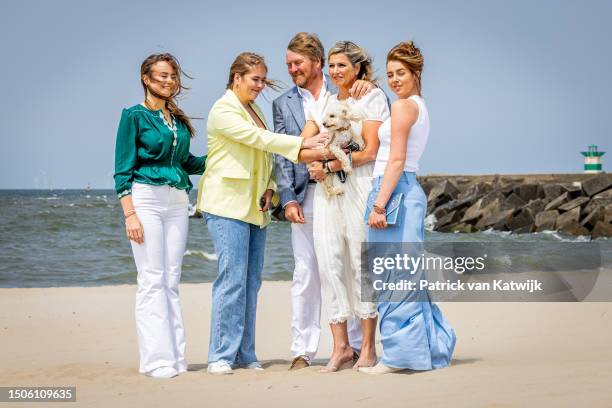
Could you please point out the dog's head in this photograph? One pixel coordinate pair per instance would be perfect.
(339, 117)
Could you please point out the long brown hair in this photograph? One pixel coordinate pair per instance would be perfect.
(145, 69)
(244, 63)
(411, 57)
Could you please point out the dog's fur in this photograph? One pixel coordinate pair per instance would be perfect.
(337, 121)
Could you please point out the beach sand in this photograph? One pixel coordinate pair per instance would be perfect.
(507, 355)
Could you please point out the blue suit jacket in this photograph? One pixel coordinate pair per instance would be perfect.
(288, 116)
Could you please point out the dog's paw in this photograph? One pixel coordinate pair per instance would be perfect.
(337, 191)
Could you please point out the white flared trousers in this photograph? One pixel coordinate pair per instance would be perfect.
(339, 231)
(306, 289)
(163, 212)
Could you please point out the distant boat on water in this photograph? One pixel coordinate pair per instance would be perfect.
(87, 188)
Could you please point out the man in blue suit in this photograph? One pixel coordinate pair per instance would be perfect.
(305, 61)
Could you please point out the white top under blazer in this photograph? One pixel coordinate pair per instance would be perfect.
(417, 140)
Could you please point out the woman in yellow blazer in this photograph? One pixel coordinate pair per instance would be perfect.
(235, 195)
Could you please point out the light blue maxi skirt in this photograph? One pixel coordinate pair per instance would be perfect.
(414, 334)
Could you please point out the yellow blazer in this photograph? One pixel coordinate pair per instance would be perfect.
(239, 167)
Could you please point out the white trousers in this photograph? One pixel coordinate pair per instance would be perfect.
(306, 289)
(339, 231)
(163, 212)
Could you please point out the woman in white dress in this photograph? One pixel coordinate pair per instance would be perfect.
(339, 229)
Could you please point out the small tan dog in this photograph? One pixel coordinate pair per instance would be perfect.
(337, 121)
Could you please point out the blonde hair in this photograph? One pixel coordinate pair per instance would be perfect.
(411, 57)
(356, 55)
(244, 63)
(308, 44)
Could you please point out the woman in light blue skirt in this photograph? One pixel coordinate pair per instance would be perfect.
(414, 333)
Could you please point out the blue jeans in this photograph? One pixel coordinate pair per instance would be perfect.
(240, 254)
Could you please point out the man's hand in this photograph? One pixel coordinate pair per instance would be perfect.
(316, 171)
(294, 213)
(361, 88)
(265, 202)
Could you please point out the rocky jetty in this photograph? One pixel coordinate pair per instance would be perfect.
(575, 204)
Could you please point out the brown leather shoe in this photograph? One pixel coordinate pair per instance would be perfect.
(299, 362)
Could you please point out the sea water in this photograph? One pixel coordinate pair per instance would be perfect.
(77, 238)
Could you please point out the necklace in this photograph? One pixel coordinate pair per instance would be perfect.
(172, 127)
(146, 102)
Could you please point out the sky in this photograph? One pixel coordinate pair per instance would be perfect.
(511, 86)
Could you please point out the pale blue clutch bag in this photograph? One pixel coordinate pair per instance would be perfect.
(393, 207)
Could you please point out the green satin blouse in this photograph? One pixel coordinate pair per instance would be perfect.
(149, 150)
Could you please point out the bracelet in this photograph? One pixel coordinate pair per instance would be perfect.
(328, 169)
(129, 213)
(379, 210)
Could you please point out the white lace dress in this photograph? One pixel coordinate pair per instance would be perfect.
(339, 229)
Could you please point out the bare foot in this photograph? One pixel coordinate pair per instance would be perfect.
(341, 358)
(379, 368)
(366, 359)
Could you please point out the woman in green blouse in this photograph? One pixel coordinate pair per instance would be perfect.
(152, 167)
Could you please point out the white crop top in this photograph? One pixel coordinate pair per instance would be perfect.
(417, 139)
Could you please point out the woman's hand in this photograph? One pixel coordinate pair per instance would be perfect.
(134, 229)
(361, 88)
(317, 171)
(377, 220)
(316, 141)
(266, 200)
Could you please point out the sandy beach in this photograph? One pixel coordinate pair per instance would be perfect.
(507, 355)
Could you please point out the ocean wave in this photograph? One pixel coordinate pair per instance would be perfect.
(201, 254)
(491, 231)
(430, 222)
(564, 238)
(534, 236)
(93, 204)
